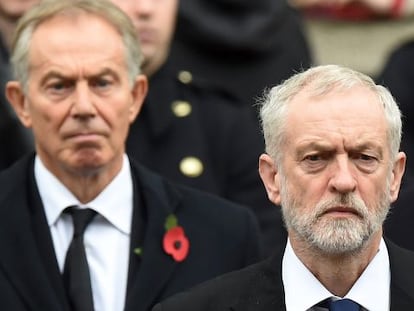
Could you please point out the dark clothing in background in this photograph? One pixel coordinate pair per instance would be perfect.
(15, 139)
(398, 77)
(399, 225)
(223, 237)
(242, 45)
(221, 135)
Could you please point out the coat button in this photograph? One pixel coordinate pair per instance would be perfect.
(181, 108)
(191, 167)
(185, 76)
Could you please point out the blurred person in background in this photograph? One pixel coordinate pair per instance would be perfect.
(192, 131)
(398, 77)
(241, 45)
(15, 140)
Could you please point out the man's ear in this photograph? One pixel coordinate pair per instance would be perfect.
(17, 98)
(270, 177)
(396, 175)
(139, 92)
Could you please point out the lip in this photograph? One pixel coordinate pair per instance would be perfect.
(341, 211)
(146, 35)
(83, 136)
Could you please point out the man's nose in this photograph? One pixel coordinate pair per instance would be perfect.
(83, 105)
(143, 7)
(343, 179)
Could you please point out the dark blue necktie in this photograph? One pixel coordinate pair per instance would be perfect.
(76, 271)
(343, 305)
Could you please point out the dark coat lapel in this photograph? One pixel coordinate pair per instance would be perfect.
(402, 278)
(22, 262)
(156, 267)
(263, 290)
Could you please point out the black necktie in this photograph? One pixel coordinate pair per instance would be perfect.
(343, 305)
(76, 271)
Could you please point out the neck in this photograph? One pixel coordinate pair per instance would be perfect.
(338, 273)
(84, 184)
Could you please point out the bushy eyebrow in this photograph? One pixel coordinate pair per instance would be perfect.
(54, 74)
(313, 145)
(366, 146)
(325, 147)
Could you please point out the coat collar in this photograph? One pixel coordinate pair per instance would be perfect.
(402, 281)
(156, 267)
(265, 287)
(21, 260)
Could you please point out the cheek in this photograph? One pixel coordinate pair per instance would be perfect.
(308, 186)
(167, 21)
(50, 120)
(372, 189)
(119, 119)
(45, 118)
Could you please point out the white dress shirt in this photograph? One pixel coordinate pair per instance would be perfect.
(303, 290)
(107, 237)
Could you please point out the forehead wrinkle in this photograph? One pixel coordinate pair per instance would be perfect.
(71, 65)
(56, 74)
(68, 51)
(327, 140)
(362, 144)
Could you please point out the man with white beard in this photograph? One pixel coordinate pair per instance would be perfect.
(333, 163)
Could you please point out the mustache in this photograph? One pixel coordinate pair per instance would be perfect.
(349, 202)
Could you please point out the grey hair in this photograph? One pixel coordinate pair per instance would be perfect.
(48, 9)
(321, 80)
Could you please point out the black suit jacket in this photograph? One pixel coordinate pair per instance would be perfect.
(259, 287)
(223, 237)
(244, 46)
(399, 225)
(397, 75)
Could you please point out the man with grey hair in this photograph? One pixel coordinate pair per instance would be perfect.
(333, 163)
(83, 226)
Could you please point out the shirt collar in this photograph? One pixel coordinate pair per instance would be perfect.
(371, 290)
(117, 209)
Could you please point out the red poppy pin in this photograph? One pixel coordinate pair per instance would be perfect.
(175, 242)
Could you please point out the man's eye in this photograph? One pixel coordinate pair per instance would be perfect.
(366, 157)
(367, 160)
(59, 86)
(313, 163)
(313, 157)
(101, 83)
(366, 163)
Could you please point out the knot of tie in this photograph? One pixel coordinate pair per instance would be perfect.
(81, 218)
(343, 305)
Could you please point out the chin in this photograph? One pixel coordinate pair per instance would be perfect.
(88, 164)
